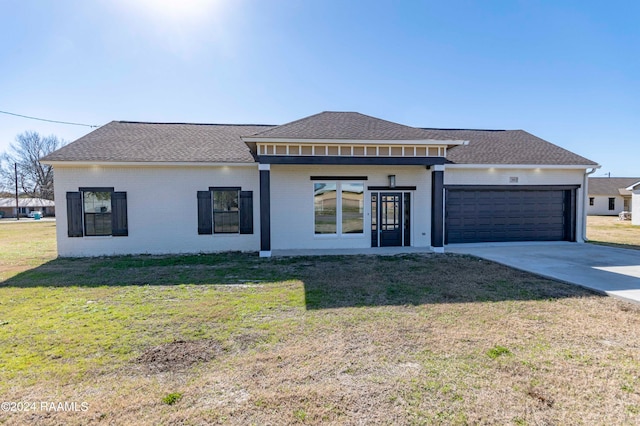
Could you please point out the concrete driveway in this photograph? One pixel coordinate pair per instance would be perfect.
(614, 271)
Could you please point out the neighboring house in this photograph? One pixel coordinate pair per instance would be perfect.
(334, 180)
(635, 202)
(25, 206)
(609, 196)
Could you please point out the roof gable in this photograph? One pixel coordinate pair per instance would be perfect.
(611, 186)
(347, 126)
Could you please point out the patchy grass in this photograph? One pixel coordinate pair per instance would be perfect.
(342, 340)
(608, 230)
(25, 244)
(172, 398)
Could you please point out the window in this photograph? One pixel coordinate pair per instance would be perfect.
(226, 215)
(612, 203)
(338, 208)
(592, 201)
(97, 213)
(93, 212)
(325, 202)
(352, 208)
(225, 210)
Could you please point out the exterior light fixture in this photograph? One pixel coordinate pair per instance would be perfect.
(392, 181)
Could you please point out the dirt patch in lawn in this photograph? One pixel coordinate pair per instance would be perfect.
(179, 355)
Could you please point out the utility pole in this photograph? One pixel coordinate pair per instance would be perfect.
(15, 168)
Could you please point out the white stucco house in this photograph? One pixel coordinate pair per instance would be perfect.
(331, 180)
(609, 196)
(635, 202)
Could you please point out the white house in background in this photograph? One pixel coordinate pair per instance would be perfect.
(635, 202)
(26, 206)
(609, 196)
(332, 180)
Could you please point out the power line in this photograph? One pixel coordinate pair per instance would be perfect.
(50, 121)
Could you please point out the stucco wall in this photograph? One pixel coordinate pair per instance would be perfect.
(635, 207)
(162, 209)
(601, 205)
(162, 204)
(292, 210)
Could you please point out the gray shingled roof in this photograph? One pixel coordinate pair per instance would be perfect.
(611, 186)
(161, 142)
(348, 125)
(508, 147)
(26, 202)
(124, 141)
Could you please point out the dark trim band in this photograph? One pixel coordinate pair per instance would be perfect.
(96, 189)
(354, 161)
(225, 188)
(339, 178)
(388, 188)
(511, 187)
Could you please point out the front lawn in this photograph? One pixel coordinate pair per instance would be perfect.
(608, 230)
(236, 339)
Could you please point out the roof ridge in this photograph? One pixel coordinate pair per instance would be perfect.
(291, 122)
(471, 130)
(191, 124)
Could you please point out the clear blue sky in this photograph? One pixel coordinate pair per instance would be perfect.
(567, 71)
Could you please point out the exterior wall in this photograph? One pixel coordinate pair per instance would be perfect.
(161, 209)
(538, 176)
(162, 204)
(635, 207)
(601, 205)
(292, 208)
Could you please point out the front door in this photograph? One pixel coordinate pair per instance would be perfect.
(390, 219)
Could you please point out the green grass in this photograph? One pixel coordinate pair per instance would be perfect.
(172, 398)
(415, 339)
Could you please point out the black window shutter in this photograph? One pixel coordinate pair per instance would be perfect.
(205, 213)
(246, 212)
(119, 224)
(74, 214)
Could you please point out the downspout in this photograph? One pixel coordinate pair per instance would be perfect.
(585, 196)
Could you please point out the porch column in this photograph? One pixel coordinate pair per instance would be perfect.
(265, 210)
(437, 209)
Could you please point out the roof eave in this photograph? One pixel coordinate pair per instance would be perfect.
(633, 187)
(448, 142)
(520, 166)
(89, 163)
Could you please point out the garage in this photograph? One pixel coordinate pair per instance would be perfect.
(498, 214)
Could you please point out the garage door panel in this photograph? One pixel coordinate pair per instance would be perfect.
(505, 215)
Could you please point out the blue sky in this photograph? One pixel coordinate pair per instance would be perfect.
(567, 71)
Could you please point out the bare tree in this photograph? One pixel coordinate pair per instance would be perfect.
(34, 178)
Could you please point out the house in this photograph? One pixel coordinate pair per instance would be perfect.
(334, 180)
(25, 206)
(609, 196)
(635, 202)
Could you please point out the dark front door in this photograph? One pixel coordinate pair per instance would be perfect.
(390, 219)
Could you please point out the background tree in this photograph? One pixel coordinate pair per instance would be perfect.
(34, 178)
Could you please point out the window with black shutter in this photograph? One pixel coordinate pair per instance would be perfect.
(225, 210)
(97, 212)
